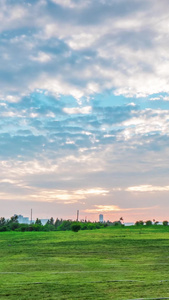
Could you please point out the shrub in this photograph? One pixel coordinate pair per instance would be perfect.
(13, 226)
(91, 226)
(165, 223)
(23, 227)
(3, 228)
(30, 227)
(117, 223)
(49, 227)
(75, 227)
(84, 226)
(98, 226)
(37, 227)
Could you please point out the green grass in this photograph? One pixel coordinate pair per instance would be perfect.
(111, 263)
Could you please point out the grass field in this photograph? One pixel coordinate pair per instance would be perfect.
(111, 263)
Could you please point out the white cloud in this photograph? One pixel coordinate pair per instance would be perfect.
(82, 40)
(166, 98)
(100, 42)
(115, 209)
(148, 188)
(145, 122)
(103, 208)
(78, 110)
(71, 3)
(95, 191)
(67, 3)
(41, 57)
(12, 98)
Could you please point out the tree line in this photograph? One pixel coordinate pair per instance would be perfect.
(12, 224)
(150, 223)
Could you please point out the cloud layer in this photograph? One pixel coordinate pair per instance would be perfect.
(80, 48)
(84, 107)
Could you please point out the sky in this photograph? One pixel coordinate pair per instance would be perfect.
(84, 109)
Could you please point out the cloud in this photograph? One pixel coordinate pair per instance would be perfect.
(19, 188)
(78, 110)
(160, 98)
(103, 208)
(148, 188)
(73, 122)
(95, 191)
(114, 209)
(41, 57)
(82, 48)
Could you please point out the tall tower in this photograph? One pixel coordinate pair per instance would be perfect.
(101, 218)
(77, 216)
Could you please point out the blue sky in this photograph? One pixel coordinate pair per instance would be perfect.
(84, 103)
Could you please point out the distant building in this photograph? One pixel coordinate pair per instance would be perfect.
(101, 219)
(44, 221)
(23, 220)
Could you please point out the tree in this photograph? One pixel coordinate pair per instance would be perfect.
(117, 223)
(38, 222)
(58, 223)
(13, 223)
(148, 223)
(139, 223)
(14, 219)
(66, 225)
(13, 226)
(2, 221)
(165, 223)
(50, 221)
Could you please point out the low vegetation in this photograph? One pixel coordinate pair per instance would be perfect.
(118, 263)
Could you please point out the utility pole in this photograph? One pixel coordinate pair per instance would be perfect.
(31, 215)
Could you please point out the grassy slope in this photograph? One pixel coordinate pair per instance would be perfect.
(111, 263)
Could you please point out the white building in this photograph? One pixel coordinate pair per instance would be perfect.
(23, 220)
(101, 220)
